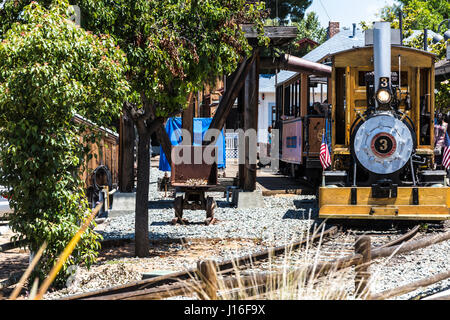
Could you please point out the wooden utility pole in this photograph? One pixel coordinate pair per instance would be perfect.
(250, 122)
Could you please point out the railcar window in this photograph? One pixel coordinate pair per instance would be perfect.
(340, 105)
(279, 104)
(287, 101)
(317, 95)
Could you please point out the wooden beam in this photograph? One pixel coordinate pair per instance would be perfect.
(241, 155)
(304, 95)
(278, 35)
(231, 94)
(165, 142)
(251, 123)
(187, 118)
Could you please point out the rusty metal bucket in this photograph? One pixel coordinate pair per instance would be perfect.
(194, 167)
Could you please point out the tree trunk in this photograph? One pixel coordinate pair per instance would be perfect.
(127, 142)
(142, 245)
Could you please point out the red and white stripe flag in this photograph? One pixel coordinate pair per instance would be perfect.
(446, 154)
(325, 158)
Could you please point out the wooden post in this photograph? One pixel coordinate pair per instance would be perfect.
(187, 118)
(362, 277)
(207, 272)
(231, 93)
(241, 155)
(251, 123)
(247, 170)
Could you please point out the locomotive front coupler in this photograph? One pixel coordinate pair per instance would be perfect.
(384, 188)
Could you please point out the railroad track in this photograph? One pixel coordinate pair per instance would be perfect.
(335, 246)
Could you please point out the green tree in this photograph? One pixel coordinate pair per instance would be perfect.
(173, 47)
(309, 28)
(417, 14)
(50, 69)
(293, 10)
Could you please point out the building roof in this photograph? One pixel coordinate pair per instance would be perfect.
(267, 83)
(344, 40)
(80, 118)
(416, 33)
(443, 69)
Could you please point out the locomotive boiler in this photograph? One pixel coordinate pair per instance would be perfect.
(382, 135)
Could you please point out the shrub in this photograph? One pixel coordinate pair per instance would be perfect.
(50, 70)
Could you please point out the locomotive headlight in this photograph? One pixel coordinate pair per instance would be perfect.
(384, 96)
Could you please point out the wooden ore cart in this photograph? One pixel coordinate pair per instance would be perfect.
(193, 178)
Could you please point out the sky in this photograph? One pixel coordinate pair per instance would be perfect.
(347, 11)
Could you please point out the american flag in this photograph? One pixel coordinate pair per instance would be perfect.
(325, 158)
(446, 155)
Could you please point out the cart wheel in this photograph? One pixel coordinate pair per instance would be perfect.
(210, 206)
(178, 207)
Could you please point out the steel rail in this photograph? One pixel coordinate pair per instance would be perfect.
(408, 236)
(267, 281)
(224, 267)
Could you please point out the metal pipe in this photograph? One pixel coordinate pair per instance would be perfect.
(425, 39)
(400, 18)
(400, 75)
(292, 63)
(442, 23)
(412, 171)
(381, 52)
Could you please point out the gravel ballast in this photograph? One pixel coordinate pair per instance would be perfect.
(245, 231)
(283, 218)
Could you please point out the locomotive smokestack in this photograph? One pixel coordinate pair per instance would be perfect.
(382, 51)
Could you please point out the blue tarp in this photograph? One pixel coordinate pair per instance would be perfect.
(201, 125)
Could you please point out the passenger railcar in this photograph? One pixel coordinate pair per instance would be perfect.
(302, 117)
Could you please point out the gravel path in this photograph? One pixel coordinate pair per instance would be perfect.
(283, 218)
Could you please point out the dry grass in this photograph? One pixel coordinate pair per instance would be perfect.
(289, 280)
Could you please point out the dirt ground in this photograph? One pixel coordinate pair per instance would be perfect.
(164, 256)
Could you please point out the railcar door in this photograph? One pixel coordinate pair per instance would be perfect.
(315, 125)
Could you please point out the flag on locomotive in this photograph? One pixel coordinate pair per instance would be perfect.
(325, 158)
